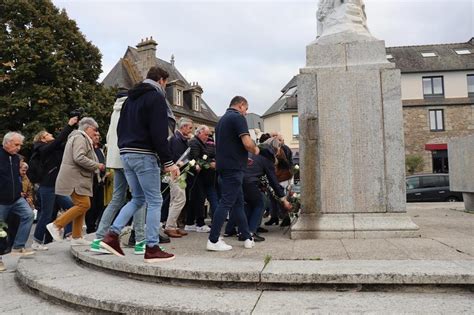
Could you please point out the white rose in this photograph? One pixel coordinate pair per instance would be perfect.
(192, 162)
(297, 167)
(3, 234)
(204, 157)
(296, 195)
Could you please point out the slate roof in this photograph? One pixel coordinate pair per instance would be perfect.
(254, 121)
(123, 72)
(409, 59)
(286, 103)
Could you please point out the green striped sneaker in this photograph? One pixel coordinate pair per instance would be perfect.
(140, 248)
(95, 247)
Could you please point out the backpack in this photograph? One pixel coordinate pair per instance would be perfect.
(36, 168)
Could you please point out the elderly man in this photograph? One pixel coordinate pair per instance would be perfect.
(178, 145)
(10, 193)
(75, 179)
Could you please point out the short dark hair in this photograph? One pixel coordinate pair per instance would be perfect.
(156, 73)
(237, 100)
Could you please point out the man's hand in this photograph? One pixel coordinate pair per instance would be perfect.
(173, 170)
(212, 165)
(101, 167)
(73, 120)
(286, 204)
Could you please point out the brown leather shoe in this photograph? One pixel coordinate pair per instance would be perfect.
(181, 232)
(111, 243)
(172, 233)
(155, 254)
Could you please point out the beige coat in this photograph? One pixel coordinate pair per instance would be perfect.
(78, 167)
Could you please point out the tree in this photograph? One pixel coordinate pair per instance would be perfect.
(414, 163)
(47, 69)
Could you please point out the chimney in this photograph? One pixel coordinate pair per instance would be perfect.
(146, 54)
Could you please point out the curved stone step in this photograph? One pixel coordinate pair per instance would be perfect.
(283, 273)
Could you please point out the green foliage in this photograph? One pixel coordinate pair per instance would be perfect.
(47, 69)
(267, 259)
(414, 163)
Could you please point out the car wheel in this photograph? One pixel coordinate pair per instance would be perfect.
(452, 199)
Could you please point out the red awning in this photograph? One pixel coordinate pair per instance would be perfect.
(436, 147)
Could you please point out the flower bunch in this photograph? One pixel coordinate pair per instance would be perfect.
(204, 162)
(185, 170)
(3, 227)
(295, 201)
(296, 169)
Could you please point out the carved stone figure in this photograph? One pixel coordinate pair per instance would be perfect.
(342, 16)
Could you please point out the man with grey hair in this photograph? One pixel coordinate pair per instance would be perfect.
(10, 193)
(178, 144)
(75, 179)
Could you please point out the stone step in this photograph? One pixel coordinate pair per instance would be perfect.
(55, 275)
(283, 274)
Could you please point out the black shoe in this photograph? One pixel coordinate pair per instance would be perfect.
(232, 233)
(286, 221)
(261, 230)
(131, 239)
(272, 221)
(164, 239)
(258, 238)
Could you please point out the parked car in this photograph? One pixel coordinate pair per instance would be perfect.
(430, 187)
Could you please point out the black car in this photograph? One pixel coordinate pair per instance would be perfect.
(430, 187)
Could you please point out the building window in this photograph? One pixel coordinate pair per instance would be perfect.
(470, 84)
(197, 103)
(179, 97)
(433, 86)
(463, 51)
(428, 54)
(389, 56)
(436, 120)
(296, 127)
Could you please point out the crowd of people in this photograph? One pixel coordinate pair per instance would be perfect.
(159, 181)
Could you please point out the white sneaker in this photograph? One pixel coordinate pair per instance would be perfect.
(190, 228)
(249, 243)
(2, 266)
(203, 229)
(220, 246)
(38, 247)
(80, 241)
(54, 231)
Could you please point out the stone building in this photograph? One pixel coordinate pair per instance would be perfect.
(185, 97)
(437, 86)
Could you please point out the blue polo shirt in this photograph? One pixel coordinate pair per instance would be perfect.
(230, 151)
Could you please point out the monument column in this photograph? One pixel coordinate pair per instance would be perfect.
(351, 133)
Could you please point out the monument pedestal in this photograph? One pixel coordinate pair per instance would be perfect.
(352, 155)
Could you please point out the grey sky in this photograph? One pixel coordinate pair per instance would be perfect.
(251, 48)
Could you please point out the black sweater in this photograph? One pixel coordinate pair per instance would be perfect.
(143, 124)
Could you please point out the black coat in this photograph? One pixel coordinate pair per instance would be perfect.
(52, 155)
(178, 145)
(10, 182)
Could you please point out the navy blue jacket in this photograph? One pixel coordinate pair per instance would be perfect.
(143, 124)
(10, 183)
(178, 145)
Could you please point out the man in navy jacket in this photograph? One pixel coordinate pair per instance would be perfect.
(10, 191)
(143, 142)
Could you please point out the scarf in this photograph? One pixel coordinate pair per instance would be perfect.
(171, 118)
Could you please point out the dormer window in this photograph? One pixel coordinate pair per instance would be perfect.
(428, 54)
(462, 51)
(178, 97)
(197, 103)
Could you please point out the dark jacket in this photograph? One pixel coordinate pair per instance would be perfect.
(178, 145)
(52, 155)
(263, 164)
(10, 182)
(198, 150)
(143, 124)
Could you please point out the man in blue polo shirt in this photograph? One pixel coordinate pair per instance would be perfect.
(233, 143)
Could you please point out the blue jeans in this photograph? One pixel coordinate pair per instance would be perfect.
(254, 206)
(21, 208)
(232, 201)
(119, 197)
(48, 201)
(143, 176)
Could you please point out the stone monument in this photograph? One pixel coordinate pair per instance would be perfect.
(461, 168)
(351, 132)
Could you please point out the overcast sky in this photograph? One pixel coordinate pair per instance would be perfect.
(251, 48)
